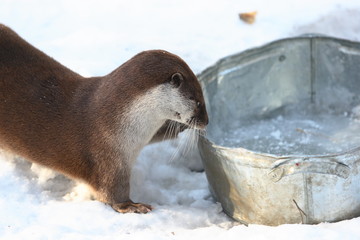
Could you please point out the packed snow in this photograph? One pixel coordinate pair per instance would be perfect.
(95, 37)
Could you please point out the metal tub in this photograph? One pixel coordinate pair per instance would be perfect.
(283, 141)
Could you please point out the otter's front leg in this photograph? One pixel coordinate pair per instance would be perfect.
(114, 190)
(169, 130)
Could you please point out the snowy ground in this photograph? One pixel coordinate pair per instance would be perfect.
(95, 37)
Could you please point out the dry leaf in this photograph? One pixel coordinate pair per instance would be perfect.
(248, 17)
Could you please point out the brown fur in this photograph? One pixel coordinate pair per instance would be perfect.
(53, 116)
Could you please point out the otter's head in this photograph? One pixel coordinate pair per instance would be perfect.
(174, 81)
(187, 103)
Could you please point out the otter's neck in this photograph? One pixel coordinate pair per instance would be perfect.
(143, 118)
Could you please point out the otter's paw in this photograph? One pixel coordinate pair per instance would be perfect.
(131, 207)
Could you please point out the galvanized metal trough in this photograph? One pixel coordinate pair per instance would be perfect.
(283, 141)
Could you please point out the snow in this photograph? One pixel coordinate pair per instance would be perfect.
(93, 38)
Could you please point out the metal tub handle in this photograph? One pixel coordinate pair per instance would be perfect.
(304, 165)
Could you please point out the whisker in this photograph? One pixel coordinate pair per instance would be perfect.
(195, 138)
(185, 144)
(167, 131)
(176, 129)
(175, 153)
(172, 132)
(191, 138)
(185, 147)
(188, 139)
(188, 142)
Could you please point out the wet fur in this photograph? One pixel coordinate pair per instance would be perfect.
(91, 129)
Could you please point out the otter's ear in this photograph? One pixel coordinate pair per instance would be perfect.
(176, 80)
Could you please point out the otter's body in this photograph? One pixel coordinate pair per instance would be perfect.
(92, 129)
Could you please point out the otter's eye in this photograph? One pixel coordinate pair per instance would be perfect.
(176, 79)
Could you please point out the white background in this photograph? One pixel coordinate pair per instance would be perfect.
(95, 37)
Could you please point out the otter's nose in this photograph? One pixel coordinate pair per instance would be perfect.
(206, 120)
(203, 114)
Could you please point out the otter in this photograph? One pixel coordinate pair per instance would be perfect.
(92, 129)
